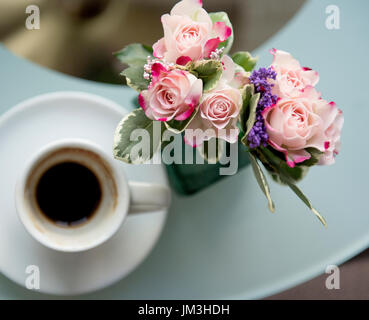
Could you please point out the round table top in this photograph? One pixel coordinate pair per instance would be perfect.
(222, 242)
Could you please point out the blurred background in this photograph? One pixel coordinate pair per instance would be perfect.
(77, 37)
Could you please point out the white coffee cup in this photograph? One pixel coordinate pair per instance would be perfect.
(119, 197)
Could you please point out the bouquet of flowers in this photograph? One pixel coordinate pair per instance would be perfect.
(190, 86)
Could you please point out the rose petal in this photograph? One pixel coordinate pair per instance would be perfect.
(192, 100)
(221, 30)
(183, 60)
(291, 156)
(284, 59)
(297, 156)
(159, 49)
(192, 9)
(312, 76)
(156, 70)
(228, 68)
(186, 7)
(141, 100)
(210, 46)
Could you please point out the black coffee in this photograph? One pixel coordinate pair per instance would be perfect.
(68, 193)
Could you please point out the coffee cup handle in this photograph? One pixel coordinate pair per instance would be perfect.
(148, 197)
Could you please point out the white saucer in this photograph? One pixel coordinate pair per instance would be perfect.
(23, 130)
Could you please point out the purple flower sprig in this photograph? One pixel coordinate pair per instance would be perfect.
(259, 78)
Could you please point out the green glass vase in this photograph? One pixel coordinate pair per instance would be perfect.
(187, 179)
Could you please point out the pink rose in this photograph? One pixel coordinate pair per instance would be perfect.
(173, 94)
(294, 124)
(291, 77)
(332, 131)
(189, 32)
(218, 111)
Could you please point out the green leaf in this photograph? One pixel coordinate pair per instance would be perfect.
(135, 56)
(123, 144)
(280, 171)
(315, 155)
(247, 93)
(223, 17)
(286, 175)
(305, 200)
(251, 116)
(245, 60)
(135, 79)
(207, 151)
(209, 71)
(295, 174)
(261, 179)
(179, 126)
(148, 49)
(276, 178)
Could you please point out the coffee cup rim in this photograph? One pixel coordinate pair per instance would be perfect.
(121, 181)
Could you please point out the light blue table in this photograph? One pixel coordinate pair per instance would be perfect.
(222, 242)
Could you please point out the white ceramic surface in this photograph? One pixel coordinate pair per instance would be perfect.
(25, 129)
